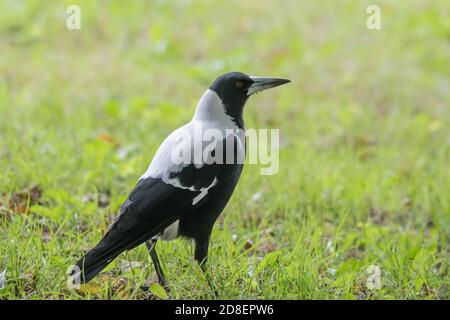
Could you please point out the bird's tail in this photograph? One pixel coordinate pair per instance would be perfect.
(112, 244)
(93, 262)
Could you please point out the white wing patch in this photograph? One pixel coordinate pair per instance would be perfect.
(162, 164)
(204, 192)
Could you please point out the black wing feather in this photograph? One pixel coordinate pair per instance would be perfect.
(152, 206)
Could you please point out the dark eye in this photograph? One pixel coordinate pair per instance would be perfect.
(239, 84)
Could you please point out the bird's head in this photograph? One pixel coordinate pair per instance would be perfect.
(234, 88)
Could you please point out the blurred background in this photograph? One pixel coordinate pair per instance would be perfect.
(364, 129)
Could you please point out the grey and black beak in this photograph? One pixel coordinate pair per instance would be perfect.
(263, 83)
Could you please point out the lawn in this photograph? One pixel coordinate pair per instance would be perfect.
(363, 184)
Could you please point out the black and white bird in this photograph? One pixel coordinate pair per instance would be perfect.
(183, 198)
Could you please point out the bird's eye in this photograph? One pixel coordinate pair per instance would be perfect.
(239, 84)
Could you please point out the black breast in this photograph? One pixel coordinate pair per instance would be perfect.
(201, 220)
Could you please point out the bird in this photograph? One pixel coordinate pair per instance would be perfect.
(182, 196)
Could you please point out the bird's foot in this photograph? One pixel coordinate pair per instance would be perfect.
(146, 288)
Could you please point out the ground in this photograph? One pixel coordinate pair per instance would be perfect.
(363, 183)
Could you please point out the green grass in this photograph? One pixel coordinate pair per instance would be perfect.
(364, 167)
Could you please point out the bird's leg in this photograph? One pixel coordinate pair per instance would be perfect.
(201, 255)
(159, 272)
(201, 251)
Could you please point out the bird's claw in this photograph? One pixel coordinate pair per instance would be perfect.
(146, 288)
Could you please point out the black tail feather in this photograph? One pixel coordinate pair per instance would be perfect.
(111, 245)
(95, 261)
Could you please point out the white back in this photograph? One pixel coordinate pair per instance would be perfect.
(209, 114)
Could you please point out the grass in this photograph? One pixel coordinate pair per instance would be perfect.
(364, 125)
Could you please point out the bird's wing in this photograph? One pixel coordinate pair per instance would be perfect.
(157, 204)
(152, 206)
(169, 190)
(160, 197)
(187, 150)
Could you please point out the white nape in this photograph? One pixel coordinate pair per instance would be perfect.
(209, 114)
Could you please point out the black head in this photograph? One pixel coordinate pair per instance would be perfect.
(234, 88)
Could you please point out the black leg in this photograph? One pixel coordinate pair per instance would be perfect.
(152, 250)
(201, 251)
(201, 255)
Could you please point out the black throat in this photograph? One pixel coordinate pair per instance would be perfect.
(234, 105)
(237, 119)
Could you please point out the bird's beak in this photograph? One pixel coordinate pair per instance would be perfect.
(263, 83)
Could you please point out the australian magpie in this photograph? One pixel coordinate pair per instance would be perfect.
(184, 195)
